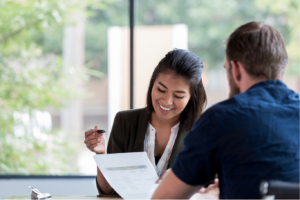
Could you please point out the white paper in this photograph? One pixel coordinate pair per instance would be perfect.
(131, 175)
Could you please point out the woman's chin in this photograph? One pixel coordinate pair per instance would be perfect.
(162, 115)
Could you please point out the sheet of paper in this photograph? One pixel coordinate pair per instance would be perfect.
(131, 175)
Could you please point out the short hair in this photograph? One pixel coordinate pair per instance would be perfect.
(260, 48)
(188, 66)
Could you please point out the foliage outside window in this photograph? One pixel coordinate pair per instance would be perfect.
(31, 80)
(32, 77)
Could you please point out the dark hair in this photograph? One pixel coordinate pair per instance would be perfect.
(189, 66)
(260, 48)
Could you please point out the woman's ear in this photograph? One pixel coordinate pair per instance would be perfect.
(236, 72)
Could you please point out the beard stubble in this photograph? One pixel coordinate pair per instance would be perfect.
(233, 89)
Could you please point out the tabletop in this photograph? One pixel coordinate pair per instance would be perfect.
(68, 197)
(196, 196)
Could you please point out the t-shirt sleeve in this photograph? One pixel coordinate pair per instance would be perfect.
(195, 164)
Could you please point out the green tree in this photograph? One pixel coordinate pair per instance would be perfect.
(211, 22)
(31, 32)
(27, 86)
(289, 15)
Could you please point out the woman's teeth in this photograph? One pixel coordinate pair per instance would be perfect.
(166, 109)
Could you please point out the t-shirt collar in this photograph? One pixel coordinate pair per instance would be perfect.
(268, 83)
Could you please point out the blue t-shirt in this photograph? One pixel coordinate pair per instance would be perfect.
(251, 137)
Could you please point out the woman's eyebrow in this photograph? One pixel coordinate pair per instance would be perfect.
(167, 88)
(180, 92)
(162, 85)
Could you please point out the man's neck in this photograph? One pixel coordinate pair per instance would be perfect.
(250, 81)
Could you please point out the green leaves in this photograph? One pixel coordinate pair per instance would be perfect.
(211, 22)
(32, 76)
(288, 15)
(31, 80)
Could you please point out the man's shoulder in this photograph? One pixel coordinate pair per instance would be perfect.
(229, 107)
(269, 92)
(260, 100)
(213, 115)
(265, 95)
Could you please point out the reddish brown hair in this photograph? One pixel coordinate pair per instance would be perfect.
(260, 48)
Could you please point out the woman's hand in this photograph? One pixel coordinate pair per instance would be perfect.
(94, 141)
(212, 191)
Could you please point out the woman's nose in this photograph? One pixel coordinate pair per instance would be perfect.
(168, 99)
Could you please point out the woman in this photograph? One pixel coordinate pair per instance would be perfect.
(175, 100)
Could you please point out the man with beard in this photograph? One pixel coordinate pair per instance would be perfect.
(252, 136)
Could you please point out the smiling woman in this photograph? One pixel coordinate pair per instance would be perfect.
(175, 100)
(178, 75)
(170, 95)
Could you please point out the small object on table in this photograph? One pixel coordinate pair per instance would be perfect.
(36, 194)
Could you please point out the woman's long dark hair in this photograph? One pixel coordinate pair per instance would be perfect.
(188, 66)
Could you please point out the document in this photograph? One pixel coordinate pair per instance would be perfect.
(131, 175)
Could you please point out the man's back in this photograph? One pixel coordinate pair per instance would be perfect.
(251, 137)
(260, 139)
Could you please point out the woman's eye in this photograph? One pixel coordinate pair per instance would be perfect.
(161, 90)
(179, 97)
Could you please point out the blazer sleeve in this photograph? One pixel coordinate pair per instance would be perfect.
(116, 138)
(115, 145)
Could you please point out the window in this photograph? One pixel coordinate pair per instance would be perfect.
(64, 68)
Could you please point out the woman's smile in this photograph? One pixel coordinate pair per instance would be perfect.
(170, 95)
(165, 110)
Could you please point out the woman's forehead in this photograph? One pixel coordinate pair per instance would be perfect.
(172, 80)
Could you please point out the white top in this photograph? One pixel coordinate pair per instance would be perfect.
(149, 145)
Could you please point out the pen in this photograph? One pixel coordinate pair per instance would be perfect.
(101, 131)
(98, 131)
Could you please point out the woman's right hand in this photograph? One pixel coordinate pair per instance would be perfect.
(94, 141)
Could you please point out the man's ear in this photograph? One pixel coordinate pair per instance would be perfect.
(236, 72)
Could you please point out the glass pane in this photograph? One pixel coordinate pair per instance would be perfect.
(54, 82)
(209, 24)
(64, 68)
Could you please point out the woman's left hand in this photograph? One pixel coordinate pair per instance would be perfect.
(211, 192)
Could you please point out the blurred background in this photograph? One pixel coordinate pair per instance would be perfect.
(64, 67)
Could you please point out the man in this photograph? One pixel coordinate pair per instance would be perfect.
(252, 136)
